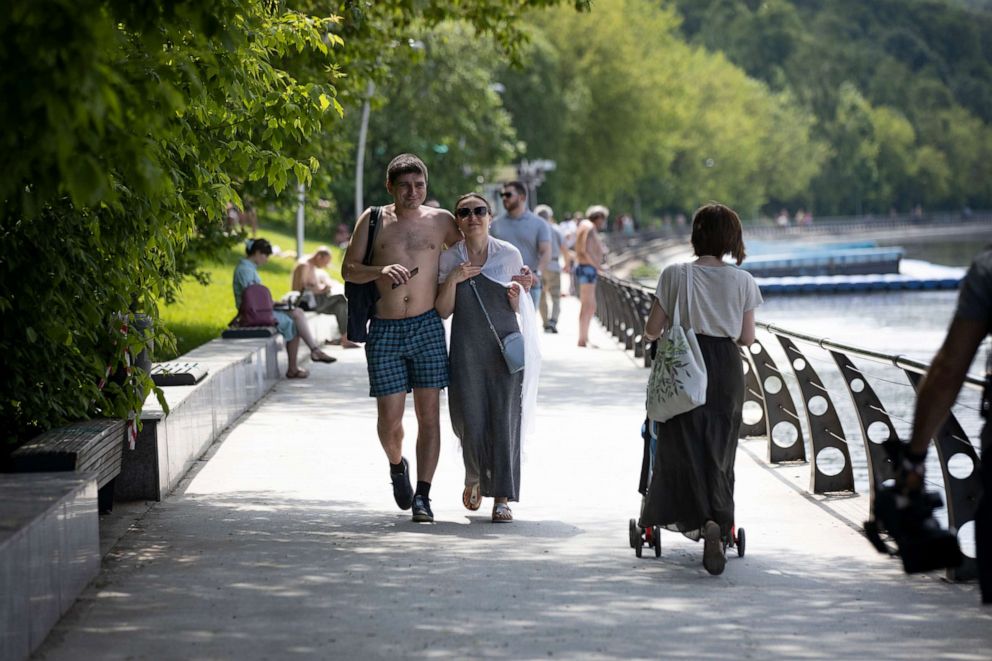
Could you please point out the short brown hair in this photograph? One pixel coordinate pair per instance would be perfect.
(716, 231)
(405, 164)
(517, 186)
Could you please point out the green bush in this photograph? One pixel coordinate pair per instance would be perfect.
(130, 126)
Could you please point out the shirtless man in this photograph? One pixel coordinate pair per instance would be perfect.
(588, 258)
(405, 350)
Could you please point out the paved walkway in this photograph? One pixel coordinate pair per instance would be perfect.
(285, 544)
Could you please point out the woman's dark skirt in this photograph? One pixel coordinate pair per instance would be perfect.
(693, 479)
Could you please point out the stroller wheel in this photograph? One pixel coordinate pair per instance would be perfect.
(635, 534)
(740, 543)
(656, 533)
(638, 550)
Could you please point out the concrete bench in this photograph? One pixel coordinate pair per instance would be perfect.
(49, 552)
(239, 373)
(87, 446)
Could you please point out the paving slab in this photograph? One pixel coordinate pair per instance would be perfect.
(284, 543)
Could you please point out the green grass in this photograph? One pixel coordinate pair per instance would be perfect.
(644, 272)
(202, 312)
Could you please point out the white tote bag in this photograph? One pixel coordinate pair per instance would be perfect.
(678, 374)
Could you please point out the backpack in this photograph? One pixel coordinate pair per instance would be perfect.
(256, 307)
(362, 297)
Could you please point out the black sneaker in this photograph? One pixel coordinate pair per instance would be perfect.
(554, 328)
(402, 491)
(422, 512)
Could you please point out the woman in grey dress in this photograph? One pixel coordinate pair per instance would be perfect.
(692, 488)
(484, 399)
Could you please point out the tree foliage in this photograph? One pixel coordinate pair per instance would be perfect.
(638, 119)
(131, 123)
(864, 69)
(442, 104)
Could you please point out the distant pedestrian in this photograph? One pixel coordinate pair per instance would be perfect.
(488, 404)
(232, 218)
(342, 236)
(405, 350)
(526, 231)
(249, 216)
(589, 253)
(692, 488)
(550, 305)
(569, 228)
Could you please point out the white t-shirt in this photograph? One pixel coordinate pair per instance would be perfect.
(720, 297)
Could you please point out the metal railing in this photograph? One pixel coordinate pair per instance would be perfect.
(846, 226)
(622, 308)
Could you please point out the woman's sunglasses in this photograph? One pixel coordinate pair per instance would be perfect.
(465, 212)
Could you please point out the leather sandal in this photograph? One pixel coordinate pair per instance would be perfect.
(319, 356)
(300, 373)
(471, 498)
(502, 513)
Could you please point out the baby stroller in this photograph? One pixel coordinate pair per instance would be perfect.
(641, 537)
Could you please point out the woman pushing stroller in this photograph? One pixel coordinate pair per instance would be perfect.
(692, 486)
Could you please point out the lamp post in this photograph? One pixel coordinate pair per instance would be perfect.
(301, 197)
(531, 175)
(360, 156)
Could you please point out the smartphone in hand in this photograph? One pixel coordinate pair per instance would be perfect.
(414, 272)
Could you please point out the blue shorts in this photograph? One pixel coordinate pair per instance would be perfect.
(403, 354)
(585, 274)
(285, 325)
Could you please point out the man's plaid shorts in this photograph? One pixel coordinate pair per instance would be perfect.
(403, 354)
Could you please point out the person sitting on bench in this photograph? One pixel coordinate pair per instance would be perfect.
(291, 324)
(309, 275)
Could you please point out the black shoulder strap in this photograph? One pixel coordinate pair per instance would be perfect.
(373, 228)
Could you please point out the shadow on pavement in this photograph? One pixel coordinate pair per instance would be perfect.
(271, 577)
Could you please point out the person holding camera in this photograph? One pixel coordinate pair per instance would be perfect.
(971, 324)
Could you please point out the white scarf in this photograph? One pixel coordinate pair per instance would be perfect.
(503, 261)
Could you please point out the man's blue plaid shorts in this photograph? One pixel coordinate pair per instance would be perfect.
(403, 354)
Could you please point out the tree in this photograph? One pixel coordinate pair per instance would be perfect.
(131, 125)
(132, 121)
(926, 58)
(895, 162)
(637, 118)
(442, 104)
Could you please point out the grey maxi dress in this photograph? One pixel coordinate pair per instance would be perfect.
(483, 397)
